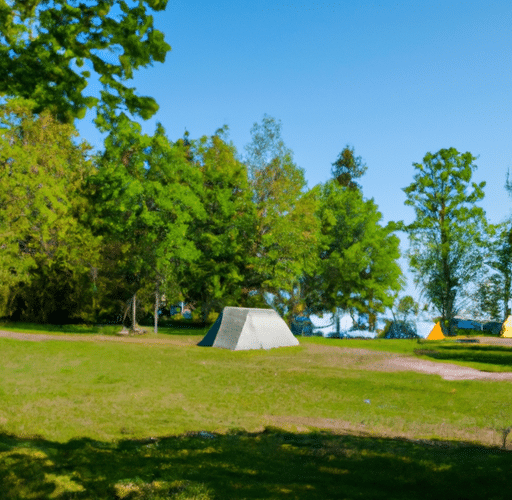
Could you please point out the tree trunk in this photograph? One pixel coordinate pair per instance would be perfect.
(157, 306)
(372, 321)
(134, 312)
(506, 297)
(449, 294)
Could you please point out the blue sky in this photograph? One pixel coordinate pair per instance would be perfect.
(394, 80)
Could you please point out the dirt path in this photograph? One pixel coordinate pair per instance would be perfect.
(364, 359)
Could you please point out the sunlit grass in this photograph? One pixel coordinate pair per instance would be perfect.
(95, 330)
(59, 329)
(105, 414)
(111, 390)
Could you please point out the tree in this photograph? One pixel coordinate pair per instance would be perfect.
(287, 231)
(493, 291)
(224, 234)
(348, 167)
(405, 307)
(445, 239)
(44, 45)
(144, 201)
(42, 205)
(357, 270)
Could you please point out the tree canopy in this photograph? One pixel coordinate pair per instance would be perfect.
(49, 51)
(358, 270)
(445, 237)
(287, 227)
(224, 234)
(348, 167)
(42, 206)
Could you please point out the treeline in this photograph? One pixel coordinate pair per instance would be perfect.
(83, 236)
(87, 238)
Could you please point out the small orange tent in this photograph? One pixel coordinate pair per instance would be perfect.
(506, 329)
(436, 333)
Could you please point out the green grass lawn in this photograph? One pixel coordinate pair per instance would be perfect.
(490, 358)
(120, 420)
(93, 330)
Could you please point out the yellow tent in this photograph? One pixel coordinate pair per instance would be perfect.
(506, 329)
(436, 333)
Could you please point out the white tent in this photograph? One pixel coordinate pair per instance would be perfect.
(242, 328)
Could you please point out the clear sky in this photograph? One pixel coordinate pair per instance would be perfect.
(395, 80)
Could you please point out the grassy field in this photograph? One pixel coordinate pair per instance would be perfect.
(95, 330)
(128, 420)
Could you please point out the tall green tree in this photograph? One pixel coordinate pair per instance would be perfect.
(358, 270)
(43, 237)
(445, 243)
(45, 45)
(223, 236)
(143, 203)
(348, 167)
(287, 229)
(404, 308)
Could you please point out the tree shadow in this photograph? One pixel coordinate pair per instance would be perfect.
(241, 465)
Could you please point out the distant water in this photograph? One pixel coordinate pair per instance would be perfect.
(326, 327)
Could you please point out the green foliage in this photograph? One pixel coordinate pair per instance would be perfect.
(495, 280)
(47, 251)
(224, 233)
(348, 167)
(445, 242)
(358, 269)
(405, 307)
(287, 230)
(144, 201)
(45, 45)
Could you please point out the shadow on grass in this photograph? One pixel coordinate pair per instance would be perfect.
(492, 355)
(271, 464)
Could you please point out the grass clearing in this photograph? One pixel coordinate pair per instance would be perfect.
(94, 330)
(115, 390)
(148, 421)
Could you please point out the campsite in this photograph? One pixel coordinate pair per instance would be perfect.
(255, 250)
(328, 418)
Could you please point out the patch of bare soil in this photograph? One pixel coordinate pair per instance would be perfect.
(446, 370)
(495, 341)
